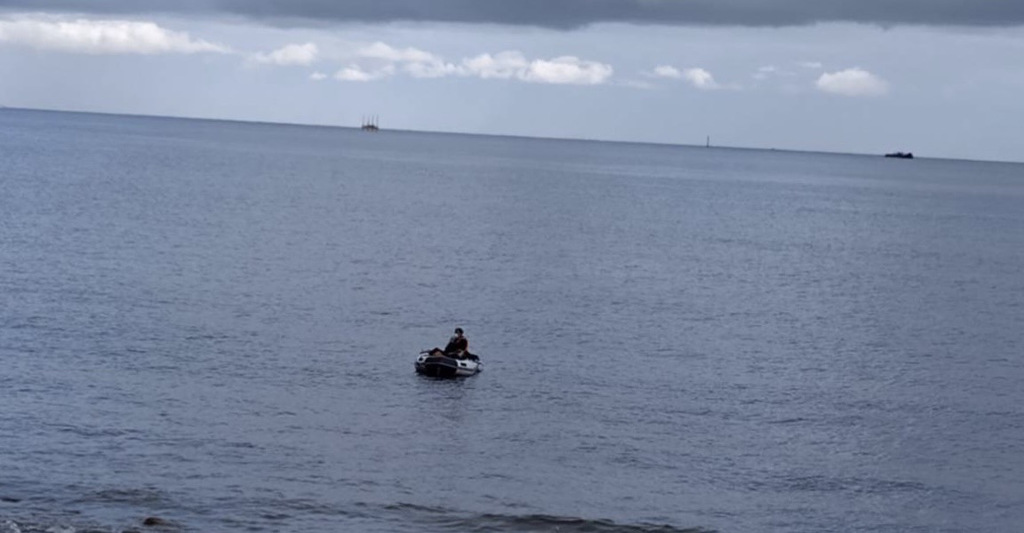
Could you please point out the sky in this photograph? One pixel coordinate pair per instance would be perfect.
(941, 78)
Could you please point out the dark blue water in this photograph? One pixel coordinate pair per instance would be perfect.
(215, 324)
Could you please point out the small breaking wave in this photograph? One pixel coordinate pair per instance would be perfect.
(269, 515)
(440, 519)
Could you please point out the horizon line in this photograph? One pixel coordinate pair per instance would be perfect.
(507, 135)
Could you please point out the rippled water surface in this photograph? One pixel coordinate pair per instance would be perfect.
(214, 324)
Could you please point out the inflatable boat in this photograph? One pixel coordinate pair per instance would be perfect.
(443, 366)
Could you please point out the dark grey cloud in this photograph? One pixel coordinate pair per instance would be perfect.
(568, 13)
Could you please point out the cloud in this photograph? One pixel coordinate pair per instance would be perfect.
(86, 36)
(815, 65)
(571, 13)
(667, 71)
(414, 62)
(292, 54)
(386, 52)
(385, 59)
(318, 76)
(431, 69)
(514, 65)
(357, 73)
(700, 79)
(697, 77)
(567, 69)
(852, 82)
(503, 65)
(381, 60)
(772, 72)
(766, 72)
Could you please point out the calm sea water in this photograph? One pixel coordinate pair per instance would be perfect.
(215, 323)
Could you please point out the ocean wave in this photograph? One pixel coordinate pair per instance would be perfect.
(402, 517)
(441, 519)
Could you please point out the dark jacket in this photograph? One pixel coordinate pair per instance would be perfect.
(457, 344)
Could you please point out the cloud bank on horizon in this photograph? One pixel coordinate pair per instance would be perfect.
(379, 60)
(568, 13)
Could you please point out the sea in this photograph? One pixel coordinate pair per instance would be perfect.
(211, 326)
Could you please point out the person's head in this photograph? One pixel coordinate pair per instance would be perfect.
(458, 332)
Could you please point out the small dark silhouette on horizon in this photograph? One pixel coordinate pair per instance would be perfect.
(371, 124)
(901, 155)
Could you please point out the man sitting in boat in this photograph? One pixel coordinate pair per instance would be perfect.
(457, 347)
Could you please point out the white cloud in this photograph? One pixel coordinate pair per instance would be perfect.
(514, 65)
(852, 82)
(810, 64)
(700, 79)
(504, 65)
(385, 52)
(318, 76)
(357, 73)
(101, 37)
(667, 71)
(380, 60)
(431, 69)
(413, 61)
(567, 70)
(292, 54)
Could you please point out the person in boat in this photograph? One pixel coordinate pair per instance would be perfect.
(457, 347)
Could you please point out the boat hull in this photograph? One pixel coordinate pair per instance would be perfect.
(440, 366)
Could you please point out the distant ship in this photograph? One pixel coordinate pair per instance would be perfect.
(901, 155)
(371, 124)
